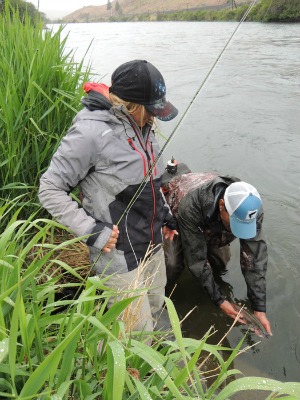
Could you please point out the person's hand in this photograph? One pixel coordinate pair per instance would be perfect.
(111, 243)
(228, 309)
(264, 321)
(169, 233)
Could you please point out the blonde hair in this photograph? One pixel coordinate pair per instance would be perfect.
(132, 108)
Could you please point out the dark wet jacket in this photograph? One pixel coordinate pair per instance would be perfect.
(194, 200)
(108, 154)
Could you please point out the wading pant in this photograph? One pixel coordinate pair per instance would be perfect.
(148, 281)
(218, 258)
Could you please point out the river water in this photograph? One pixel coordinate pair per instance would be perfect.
(245, 121)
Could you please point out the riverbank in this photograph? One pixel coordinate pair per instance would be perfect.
(264, 11)
(287, 11)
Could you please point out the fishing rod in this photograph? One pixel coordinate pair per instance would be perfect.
(142, 185)
(153, 165)
(206, 78)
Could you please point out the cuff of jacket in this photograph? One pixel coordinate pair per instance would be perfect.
(259, 307)
(98, 229)
(219, 301)
(170, 222)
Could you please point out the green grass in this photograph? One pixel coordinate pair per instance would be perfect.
(41, 88)
(76, 348)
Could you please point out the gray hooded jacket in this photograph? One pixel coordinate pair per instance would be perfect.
(109, 156)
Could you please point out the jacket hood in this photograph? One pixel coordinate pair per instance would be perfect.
(97, 96)
(214, 190)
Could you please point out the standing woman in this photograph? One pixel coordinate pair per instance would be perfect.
(109, 150)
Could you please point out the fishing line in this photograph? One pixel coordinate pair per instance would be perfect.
(142, 185)
(144, 181)
(208, 76)
(270, 5)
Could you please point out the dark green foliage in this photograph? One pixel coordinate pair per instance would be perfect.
(285, 11)
(24, 9)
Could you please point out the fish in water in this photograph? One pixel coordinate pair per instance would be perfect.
(250, 319)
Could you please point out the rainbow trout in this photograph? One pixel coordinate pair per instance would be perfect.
(250, 319)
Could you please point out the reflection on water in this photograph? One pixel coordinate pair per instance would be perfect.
(244, 122)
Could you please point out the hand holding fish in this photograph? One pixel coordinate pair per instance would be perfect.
(261, 316)
(257, 321)
(232, 312)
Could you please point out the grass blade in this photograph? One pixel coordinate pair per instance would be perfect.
(253, 383)
(116, 369)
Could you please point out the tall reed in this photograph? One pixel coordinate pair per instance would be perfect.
(41, 88)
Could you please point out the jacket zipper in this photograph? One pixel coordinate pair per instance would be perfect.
(144, 147)
(152, 157)
(130, 141)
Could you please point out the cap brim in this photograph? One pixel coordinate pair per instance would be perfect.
(163, 110)
(243, 230)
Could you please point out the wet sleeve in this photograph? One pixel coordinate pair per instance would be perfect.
(195, 254)
(254, 260)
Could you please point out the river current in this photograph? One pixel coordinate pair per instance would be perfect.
(244, 121)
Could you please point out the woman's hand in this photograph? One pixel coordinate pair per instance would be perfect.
(111, 243)
(169, 233)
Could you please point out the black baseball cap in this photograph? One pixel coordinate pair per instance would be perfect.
(140, 82)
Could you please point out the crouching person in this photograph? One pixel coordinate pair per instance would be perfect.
(211, 211)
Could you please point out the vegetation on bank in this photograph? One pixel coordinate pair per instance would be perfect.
(24, 8)
(42, 89)
(263, 11)
(283, 11)
(53, 346)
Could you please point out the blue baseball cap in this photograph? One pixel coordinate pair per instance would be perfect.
(243, 204)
